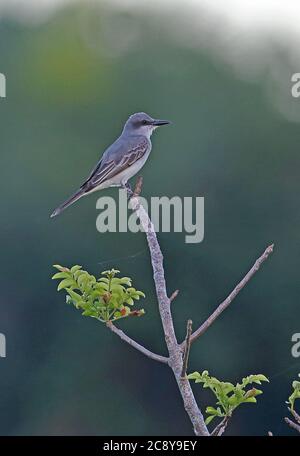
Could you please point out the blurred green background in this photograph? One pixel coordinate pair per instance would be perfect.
(72, 80)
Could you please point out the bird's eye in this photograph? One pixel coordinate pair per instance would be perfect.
(144, 122)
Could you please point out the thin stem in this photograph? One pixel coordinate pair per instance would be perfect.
(174, 295)
(136, 345)
(220, 428)
(111, 314)
(292, 424)
(187, 348)
(295, 415)
(138, 186)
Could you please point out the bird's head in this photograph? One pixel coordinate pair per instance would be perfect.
(141, 123)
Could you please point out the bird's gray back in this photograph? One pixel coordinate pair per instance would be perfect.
(124, 145)
(124, 152)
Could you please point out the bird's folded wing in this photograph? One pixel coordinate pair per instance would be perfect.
(112, 166)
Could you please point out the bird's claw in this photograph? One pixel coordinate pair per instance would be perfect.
(128, 189)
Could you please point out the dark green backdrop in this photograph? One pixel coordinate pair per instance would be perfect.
(72, 80)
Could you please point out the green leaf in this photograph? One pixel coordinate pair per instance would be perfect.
(65, 284)
(90, 313)
(78, 273)
(61, 275)
(104, 279)
(59, 267)
(209, 419)
(258, 378)
(295, 394)
(117, 288)
(262, 378)
(250, 399)
(129, 301)
(140, 293)
(75, 268)
(83, 279)
(125, 281)
(110, 273)
(193, 376)
(253, 392)
(212, 411)
(75, 296)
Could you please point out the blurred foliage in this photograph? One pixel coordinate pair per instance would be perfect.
(228, 396)
(104, 299)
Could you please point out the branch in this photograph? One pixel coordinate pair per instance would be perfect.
(136, 345)
(295, 415)
(175, 352)
(174, 295)
(138, 186)
(232, 295)
(187, 348)
(220, 428)
(292, 424)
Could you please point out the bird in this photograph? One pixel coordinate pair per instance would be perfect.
(121, 160)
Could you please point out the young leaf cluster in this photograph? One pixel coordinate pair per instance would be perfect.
(295, 394)
(107, 298)
(228, 396)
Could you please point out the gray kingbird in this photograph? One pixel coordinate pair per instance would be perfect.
(120, 161)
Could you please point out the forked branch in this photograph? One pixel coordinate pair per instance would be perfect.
(293, 424)
(221, 427)
(179, 353)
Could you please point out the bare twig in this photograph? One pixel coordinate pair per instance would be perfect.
(136, 345)
(295, 415)
(220, 428)
(175, 353)
(138, 186)
(292, 424)
(186, 348)
(174, 295)
(232, 295)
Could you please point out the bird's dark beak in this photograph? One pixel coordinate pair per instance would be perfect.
(159, 123)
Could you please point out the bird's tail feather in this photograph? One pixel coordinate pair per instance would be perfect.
(68, 202)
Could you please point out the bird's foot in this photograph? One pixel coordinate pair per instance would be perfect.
(128, 189)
